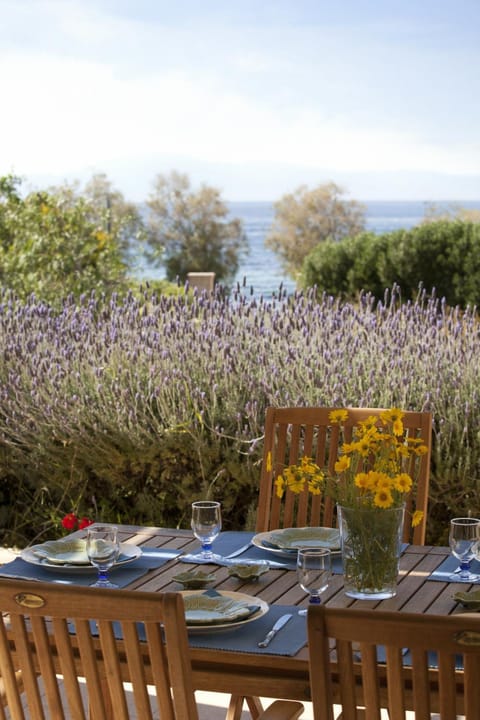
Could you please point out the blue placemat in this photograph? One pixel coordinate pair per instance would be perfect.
(291, 638)
(448, 566)
(150, 559)
(244, 638)
(230, 541)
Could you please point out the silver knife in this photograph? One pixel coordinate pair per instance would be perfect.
(238, 552)
(278, 626)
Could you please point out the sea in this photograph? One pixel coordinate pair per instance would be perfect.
(260, 272)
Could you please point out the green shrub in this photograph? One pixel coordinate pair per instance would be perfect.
(444, 255)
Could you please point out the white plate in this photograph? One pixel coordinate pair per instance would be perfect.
(213, 609)
(265, 541)
(128, 553)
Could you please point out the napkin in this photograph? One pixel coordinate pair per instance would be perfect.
(212, 593)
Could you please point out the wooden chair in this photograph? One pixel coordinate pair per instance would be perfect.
(49, 629)
(293, 432)
(438, 674)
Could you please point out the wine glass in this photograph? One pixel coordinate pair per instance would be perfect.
(314, 567)
(206, 526)
(102, 549)
(464, 540)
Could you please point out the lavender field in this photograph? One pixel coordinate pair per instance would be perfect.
(127, 410)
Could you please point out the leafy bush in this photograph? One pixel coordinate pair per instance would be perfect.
(444, 255)
(129, 409)
(56, 242)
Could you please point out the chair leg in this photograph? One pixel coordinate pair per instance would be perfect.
(255, 706)
(235, 706)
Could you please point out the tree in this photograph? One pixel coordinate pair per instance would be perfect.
(51, 245)
(451, 212)
(305, 218)
(189, 231)
(109, 210)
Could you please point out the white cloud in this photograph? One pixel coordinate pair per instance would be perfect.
(62, 114)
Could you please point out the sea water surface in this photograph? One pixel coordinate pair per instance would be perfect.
(261, 272)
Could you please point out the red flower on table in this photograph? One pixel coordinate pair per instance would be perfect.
(84, 522)
(69, 521)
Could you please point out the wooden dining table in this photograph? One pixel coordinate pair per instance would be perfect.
(239, 672)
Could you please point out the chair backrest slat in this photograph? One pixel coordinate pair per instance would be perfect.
(398, 661)
(135, 667)
(112, 668)
(8, 674)
(50, 684)
(293, 432)
(472, 691)
(22, 647)
(63, 643)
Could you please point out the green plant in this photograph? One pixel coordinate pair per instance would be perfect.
(441, 256)
(52, 243)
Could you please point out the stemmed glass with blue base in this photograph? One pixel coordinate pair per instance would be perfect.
(206, 526)
(314, 568)
(103, 548)
(464, 540)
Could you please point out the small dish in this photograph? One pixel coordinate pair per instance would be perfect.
(470, 600)
(250, 571)
(194, 579)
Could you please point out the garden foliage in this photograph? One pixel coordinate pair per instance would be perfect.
(444, 255)
(128, 409)
(53, 242)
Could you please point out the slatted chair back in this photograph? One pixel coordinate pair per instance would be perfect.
(292, 432)
(49, 630)
(398, 661)
(56, 636)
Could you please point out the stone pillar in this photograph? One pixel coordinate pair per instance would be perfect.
(201, 280)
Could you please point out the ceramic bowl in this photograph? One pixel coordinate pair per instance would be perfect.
(250, 571)
(194, 579)
(470, 600)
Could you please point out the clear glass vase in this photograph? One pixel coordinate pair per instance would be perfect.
(371, 543)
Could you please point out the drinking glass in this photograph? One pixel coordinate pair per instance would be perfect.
(314, 567)
(206, 526)
(103, 548)
(464, 539)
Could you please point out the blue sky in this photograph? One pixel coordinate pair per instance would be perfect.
(254, 97)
